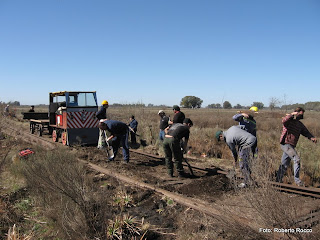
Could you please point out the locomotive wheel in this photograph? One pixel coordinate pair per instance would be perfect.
(64, 138)
(55, 135)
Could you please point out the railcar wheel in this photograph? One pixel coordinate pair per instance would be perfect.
(55, 136)
(64, 138)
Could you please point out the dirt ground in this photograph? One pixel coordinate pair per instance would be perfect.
(166, 218)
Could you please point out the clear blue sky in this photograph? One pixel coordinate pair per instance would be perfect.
(158, 51)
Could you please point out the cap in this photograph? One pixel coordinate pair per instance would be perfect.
(176, 107)
(161, 112)
(188, 121)
(218, 134)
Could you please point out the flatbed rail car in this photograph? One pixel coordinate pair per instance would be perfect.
(39, 121)
(72, 117)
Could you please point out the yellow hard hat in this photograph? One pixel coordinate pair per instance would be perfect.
(104, 102)
(254, 109)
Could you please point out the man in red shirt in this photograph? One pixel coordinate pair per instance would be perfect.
(292, 128)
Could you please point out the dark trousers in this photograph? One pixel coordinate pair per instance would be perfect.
(123, 139)
(133, 137)
(172, 149)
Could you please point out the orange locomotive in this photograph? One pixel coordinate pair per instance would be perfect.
(72, 117)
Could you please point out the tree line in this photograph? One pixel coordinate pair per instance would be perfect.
(196, 102)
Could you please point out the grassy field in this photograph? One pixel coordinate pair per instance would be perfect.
(89, 210)
(208, 121)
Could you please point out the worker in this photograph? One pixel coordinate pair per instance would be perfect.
(172, 145)
(178, 116)
(119, 134)
(163, 124)
(291, 130)
(247, 122)
(235, 137)
(102, 114)
(133, 127)
(7, 110)
(31, 108)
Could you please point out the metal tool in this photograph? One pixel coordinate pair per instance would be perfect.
(109, 149)
(131, 130)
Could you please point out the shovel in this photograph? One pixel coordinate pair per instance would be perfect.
(189, 166)
(109, 149)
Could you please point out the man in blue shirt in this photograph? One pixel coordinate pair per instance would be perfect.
(133, 127)
(102, 114)
(119, 134)
(247, 122)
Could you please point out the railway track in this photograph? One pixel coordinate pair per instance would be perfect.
(304, 191)
(210, 209)
(48, 143)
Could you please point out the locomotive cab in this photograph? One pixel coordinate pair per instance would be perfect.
(72, 117)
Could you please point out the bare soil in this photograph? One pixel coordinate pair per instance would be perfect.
(168, 220)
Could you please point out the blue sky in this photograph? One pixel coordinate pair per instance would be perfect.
(158, 51)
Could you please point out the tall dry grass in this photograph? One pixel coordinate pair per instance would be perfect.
(208, 121)
(66, 194)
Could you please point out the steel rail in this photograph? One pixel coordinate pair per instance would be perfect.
(309, 220)
(209, 209)
(304, 191)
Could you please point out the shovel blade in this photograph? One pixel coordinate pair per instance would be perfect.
(110, 152)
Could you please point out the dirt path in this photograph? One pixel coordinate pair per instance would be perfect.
(230, 214)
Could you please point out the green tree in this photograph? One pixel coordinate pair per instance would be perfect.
(227, 105)
(259, 105)
(238, 106)
(191, 102)
(214, 105)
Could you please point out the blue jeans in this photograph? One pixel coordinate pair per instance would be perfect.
(289, 153)
(161, 135)
(244, 164)
(123, 139)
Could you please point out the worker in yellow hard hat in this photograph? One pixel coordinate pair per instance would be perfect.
(102, 114)
(247, 122)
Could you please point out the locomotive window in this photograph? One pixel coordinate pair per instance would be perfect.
(72, 101)
(86, 100)
(59, 99)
